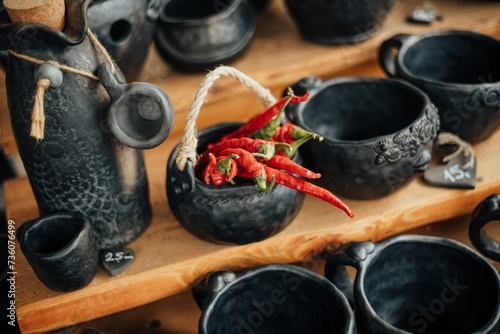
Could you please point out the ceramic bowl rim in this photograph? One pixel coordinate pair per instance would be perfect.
(426, 103)
(277, 267)
(202, 20)
(414, 39)
(438, 241)
(70, 245)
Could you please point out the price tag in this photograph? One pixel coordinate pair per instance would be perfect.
(115, 262)
(459, 172)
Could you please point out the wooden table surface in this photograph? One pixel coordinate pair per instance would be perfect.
(169, 259)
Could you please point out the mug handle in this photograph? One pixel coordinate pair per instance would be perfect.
(353, 256)
(211, 284)
(487, 211)
(387, 56)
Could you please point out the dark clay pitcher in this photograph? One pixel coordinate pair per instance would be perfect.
(79, 165)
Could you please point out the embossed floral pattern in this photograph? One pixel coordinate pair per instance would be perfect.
(406, 143)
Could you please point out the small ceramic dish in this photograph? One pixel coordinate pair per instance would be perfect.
(378, 134)
(229, 214)
(196, 35)
(339, 21)
(276, 298)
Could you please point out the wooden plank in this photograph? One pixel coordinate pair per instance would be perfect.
(278, 57)
(180, 314)
(169, 259)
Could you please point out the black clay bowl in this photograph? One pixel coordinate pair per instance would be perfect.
(378, 134)
(238, 214)
(459, 70)
(272, 299)
(339, 21)
(195, 35)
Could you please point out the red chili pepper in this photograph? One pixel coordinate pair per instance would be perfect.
(293, 182)
(208, 171)
(260, 148)
(285, 163)
(264, 117)
(226, 170)
(248, 162)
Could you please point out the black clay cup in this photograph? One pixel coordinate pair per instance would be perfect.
(61, 249)
(275, 298)
(196, 35)
(229, 214)
(460, 72)
(339, 21)
(417, 284)
(487, 211)
(378, 134)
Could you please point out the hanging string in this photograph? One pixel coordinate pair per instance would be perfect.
(446, 138)
(38, 115)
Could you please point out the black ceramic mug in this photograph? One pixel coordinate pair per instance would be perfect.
(378, 133)
(418, 284)
(275, 298)
(339, 21)
(459, 70)
(486, 212)
(61, 249)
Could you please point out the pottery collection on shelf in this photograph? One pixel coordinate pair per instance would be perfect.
(86, 166)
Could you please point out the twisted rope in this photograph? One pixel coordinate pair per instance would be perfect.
(38, 115)
(189, 140)
(446, 138)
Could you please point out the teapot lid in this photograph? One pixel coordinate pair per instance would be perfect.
(74, 32)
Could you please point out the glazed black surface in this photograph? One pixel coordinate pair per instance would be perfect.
(414, 284)
(378, 134)
(79, 166)
(228, 214)
(195, 35)
(488, 211)
(126, 29)
(272, 299)
(460, 72)
(61, 249)
(339, 21)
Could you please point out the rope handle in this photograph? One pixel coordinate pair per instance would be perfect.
(189, 140)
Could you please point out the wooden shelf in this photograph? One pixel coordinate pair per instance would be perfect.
(169, 259)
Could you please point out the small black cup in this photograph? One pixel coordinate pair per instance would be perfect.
(275, 298)
(460, 72)
(416, 284)
(61, 249)
(339, 21)
(487, 211)
(378, 133)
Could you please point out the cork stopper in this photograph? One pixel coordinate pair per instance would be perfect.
(49, 12)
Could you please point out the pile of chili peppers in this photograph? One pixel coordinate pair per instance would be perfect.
(261, 150)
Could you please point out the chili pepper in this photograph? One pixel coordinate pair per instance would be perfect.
(295, 145)
(260, 148)
(288, 133)
(207, 172)
(293, 182)
(285, 163)
(260, 120)
(228, 167)
(269, 130)
(248, 162)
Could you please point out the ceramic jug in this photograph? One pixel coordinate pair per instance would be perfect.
(79, 165)
(126, 29)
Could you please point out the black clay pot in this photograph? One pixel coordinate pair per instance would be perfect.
(61, 249)
(196, 35)
(460, 72)
(126, 28)
(339, 21)
(275, 298)
(378, 134)
(260, 5)
(487, 211)
(79, 166)
(416, 284)
(229, 214)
